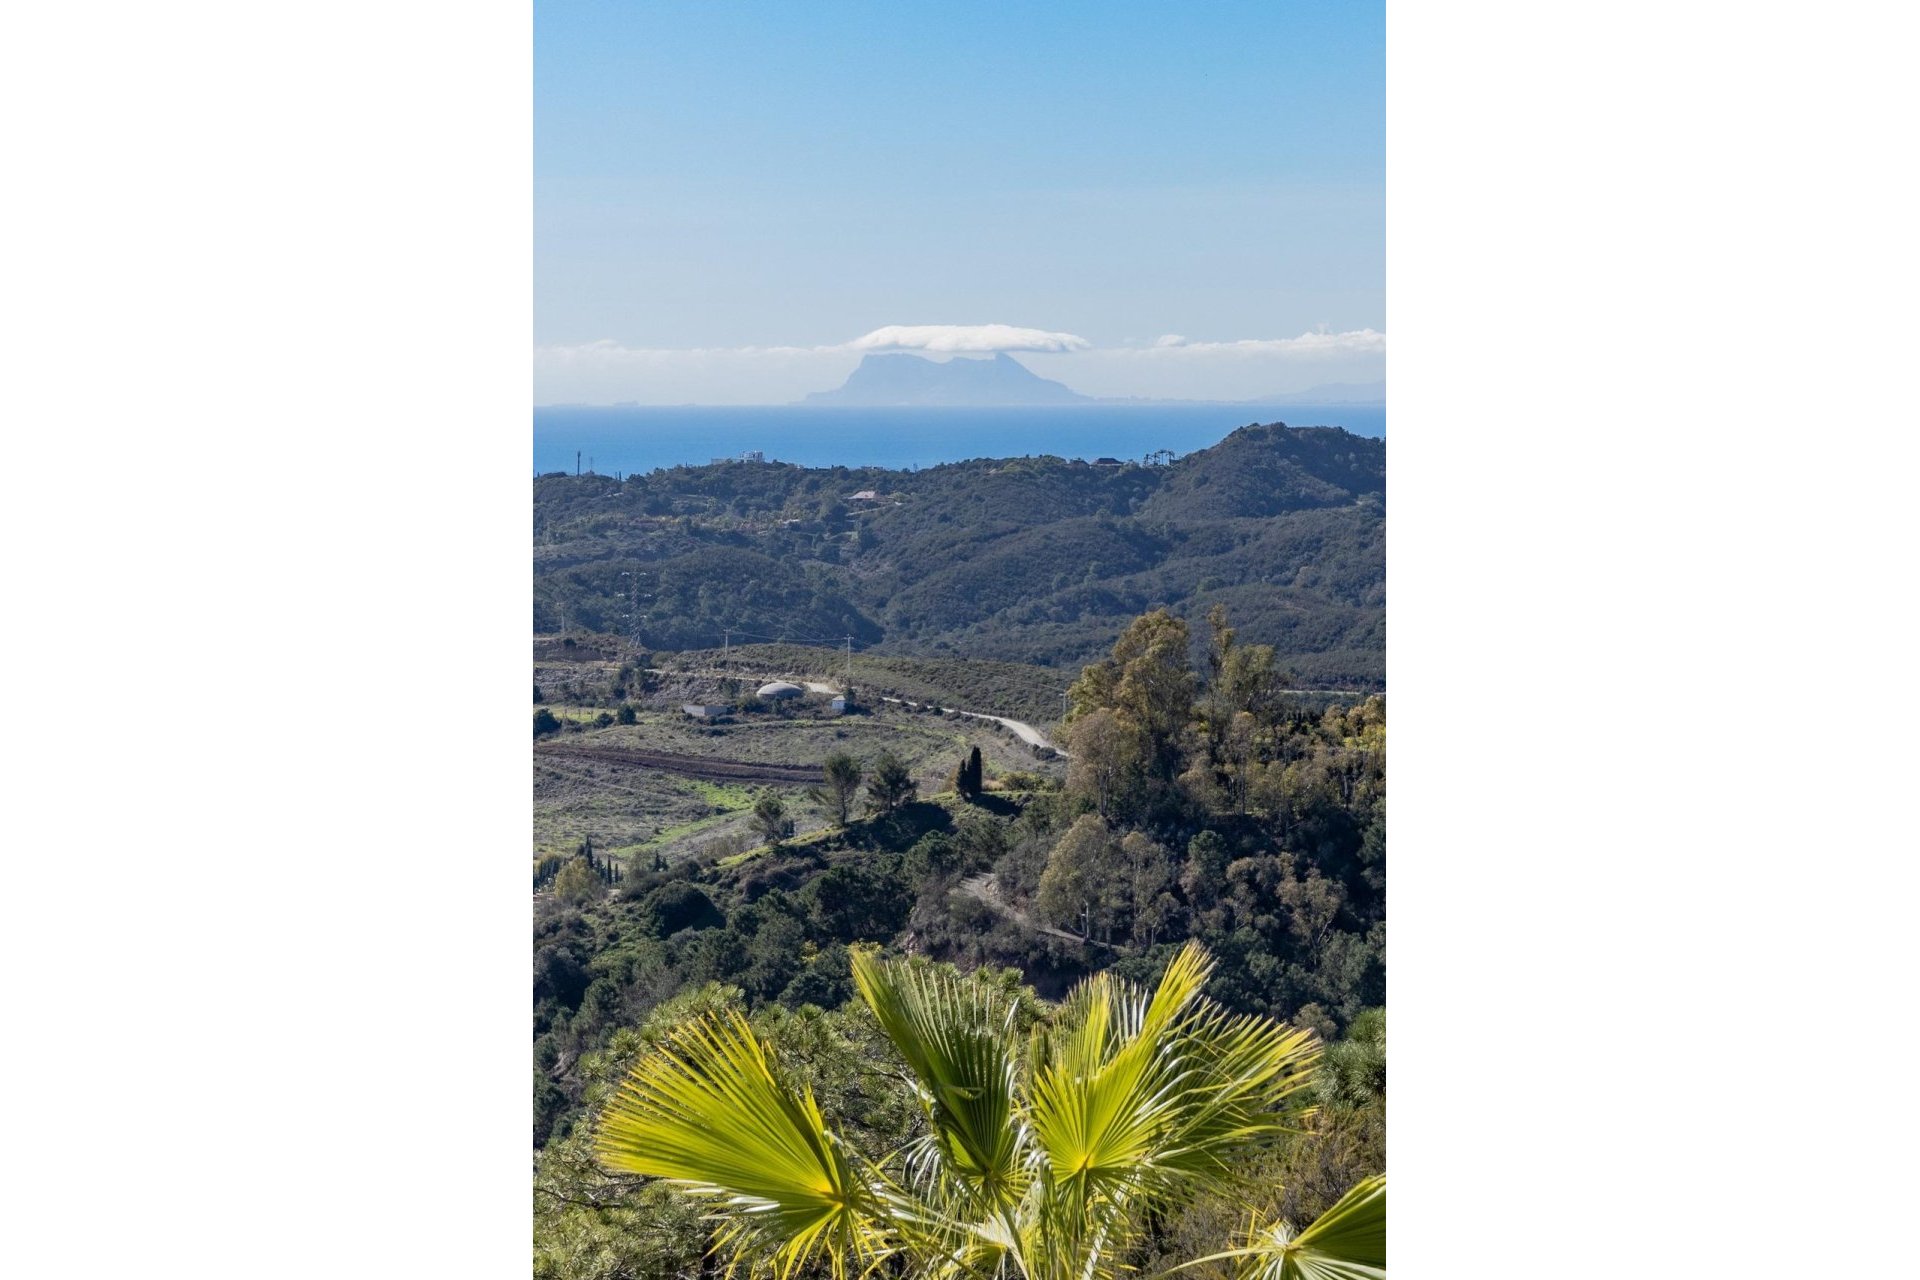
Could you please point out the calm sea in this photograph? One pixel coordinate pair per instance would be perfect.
(641, 439)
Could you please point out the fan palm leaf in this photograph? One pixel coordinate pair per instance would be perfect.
(1141, 1099)
(708, 1113)
(957, 1037)
(1347, 1242)
(1042, 1167)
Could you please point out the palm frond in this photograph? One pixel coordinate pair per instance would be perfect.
(1045, 1166)
(1106, 1099)
(708, 1113)
(1142, 1098)
(1243, 1079)
(957, 1036)
(1347, 1242)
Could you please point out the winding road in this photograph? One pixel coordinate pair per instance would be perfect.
(1020, 728)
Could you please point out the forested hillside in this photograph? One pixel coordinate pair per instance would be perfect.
(1201, 803)
(1036, 560)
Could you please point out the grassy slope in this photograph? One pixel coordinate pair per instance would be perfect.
(627, 810)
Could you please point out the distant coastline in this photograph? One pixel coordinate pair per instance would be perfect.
(639, 438)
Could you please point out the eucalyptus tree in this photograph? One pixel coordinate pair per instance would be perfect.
(1047, 1154)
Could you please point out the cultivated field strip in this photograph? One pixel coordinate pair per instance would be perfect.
(703, 767)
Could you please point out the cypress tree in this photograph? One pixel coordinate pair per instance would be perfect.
(968, 778)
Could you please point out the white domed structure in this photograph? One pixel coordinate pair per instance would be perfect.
(780, 689)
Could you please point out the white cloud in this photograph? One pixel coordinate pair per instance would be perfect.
(1321, 346)
(948, 338)
(1176, 367)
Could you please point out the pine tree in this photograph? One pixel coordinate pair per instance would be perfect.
(843, 776)
(890, 786)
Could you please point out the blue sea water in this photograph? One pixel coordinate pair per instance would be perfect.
(630, 439)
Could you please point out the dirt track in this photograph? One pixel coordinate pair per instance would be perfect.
(702, 767)
(983, 888)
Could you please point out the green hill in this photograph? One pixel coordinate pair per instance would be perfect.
(1034, 560)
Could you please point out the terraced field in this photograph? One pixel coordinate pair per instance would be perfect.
(670, 785)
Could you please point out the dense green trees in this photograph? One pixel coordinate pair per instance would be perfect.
(1032, 560)
(1251, 822)
(1079, 889)
(1050, 1156)
(1129, 717)
(1109, 886)
(847, 904)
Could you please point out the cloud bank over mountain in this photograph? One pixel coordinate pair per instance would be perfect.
(977, 339)
(1170, 366)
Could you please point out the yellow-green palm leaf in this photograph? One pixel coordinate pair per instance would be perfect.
(1044, 1167)
(1162, 1089)
(1347, 1242)
(708, 1113)
(957, 1036)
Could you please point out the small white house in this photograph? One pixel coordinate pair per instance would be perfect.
(701, 712)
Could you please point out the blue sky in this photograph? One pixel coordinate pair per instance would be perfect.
(728, 195)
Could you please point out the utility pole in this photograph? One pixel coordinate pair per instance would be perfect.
(633, 608)
(849, 662)
(576, 462)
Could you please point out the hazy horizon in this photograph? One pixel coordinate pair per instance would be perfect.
(1372, 391)
(734, 204)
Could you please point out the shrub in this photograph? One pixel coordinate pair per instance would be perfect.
(544, 723)
(576, 883)
(770, 818)
(679, 905)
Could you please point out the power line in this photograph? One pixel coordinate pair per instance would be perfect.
(789, 638)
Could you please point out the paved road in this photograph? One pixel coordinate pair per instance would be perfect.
(1021, 729)
(1024, 731)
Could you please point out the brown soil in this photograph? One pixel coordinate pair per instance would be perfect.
(702, 767)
